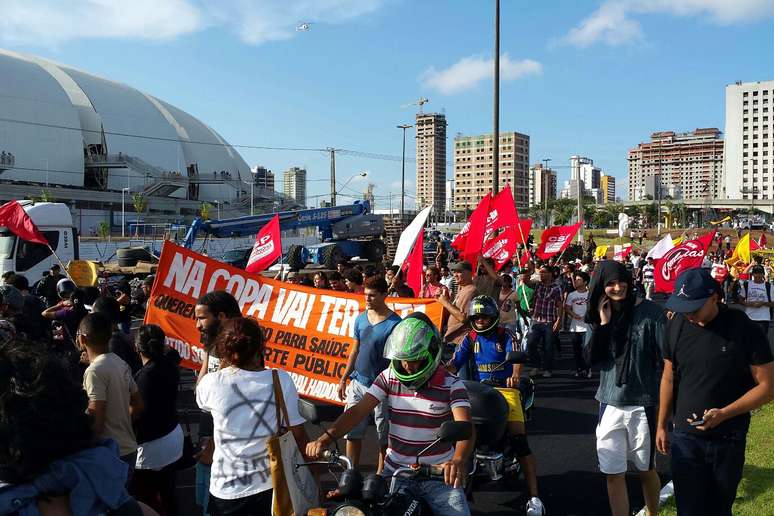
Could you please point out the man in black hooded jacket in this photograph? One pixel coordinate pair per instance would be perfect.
(626, 342)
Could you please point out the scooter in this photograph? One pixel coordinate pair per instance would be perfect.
(494, 460)
(372, 496)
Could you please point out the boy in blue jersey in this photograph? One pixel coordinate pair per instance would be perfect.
(488, 344)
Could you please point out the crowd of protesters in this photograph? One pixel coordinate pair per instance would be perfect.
(70, 362)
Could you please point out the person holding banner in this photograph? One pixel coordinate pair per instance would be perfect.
(366, 360)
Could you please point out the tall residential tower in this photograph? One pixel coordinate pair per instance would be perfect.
(431, 161)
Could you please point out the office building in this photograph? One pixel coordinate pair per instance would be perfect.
(295, 184)
(690, 162)
(263, 178)
(542, 185)
(749, 142)
(431, 160)
(583, 168)
(607, 185)
(473, 157)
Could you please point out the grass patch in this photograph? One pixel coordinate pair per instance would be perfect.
(755, 495)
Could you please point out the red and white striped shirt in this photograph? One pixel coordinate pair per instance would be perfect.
(416, 416)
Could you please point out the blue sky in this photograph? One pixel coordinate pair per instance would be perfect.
(580, 77)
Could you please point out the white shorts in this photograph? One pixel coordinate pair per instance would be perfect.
(626, 434)
(355, 392)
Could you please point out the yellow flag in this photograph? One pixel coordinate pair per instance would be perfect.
(679, 240)
(600, 252)
(742, 251)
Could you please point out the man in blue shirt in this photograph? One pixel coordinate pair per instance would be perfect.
(366, 361)
(489, 343)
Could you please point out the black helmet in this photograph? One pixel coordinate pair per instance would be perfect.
(64, 288)
(486, 306)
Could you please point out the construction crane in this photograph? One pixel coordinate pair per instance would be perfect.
(421, 102)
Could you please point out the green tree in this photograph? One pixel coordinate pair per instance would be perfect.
(103, 229)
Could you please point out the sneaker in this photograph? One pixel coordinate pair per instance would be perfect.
(535, 507)
(578, 374)
(547, 374)
(589, 374)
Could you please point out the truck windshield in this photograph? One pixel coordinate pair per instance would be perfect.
(7, 241)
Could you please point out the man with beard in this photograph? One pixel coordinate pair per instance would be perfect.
(210, 311)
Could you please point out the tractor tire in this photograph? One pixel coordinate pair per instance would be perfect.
(129, 256)
(331, 256)
(295, 257)
(374, 251)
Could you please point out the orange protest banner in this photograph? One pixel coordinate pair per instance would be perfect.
(309, 332)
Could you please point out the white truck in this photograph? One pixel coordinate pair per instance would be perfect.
(55, 221)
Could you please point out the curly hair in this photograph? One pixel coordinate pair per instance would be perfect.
(42, 412)
(239, 342)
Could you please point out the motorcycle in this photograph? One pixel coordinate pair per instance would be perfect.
(372, 496)
(493, 458)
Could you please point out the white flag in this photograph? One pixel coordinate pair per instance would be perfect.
(661, 247)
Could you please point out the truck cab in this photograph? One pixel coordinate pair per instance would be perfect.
(55, 221)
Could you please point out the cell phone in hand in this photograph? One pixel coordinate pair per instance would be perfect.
(697, 422)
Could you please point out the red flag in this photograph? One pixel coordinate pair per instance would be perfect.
(13, 216)
(555, 240)
(525, 258)
(413, 265)
(502, 212)
(460, 240)
(622, 251)
(267, 248)
(474, 240)
(688, 255)
(522, 231)
(503, 246)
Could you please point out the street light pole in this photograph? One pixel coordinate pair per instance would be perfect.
(496, 131)
(403, 171)
(123, 211)
(543, 184)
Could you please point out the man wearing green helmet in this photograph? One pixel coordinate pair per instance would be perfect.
(420, 396)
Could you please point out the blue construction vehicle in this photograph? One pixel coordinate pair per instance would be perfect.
(345, 232)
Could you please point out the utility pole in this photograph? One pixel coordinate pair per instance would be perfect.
(496, 131)
(580, 204)
(544, 184)
(403, 171)
(333, 175)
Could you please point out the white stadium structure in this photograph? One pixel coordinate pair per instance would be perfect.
(86, 140)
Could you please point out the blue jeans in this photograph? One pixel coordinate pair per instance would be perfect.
(540, 345)
(444, 500)
(706, 472)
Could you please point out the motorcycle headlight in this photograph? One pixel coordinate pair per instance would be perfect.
(348, 510)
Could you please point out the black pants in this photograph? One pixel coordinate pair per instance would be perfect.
(156, 489)
(706, 472)
(254, 505)
(577, 339)
(764, 326)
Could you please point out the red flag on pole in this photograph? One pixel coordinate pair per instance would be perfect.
(413, 265)
(267, 248)
(502, 212)
(474, 240)
(688, 255)
(503, 246)
(13, 216)
(460, 240)
(555, 240)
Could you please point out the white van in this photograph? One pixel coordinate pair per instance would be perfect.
(55, 221)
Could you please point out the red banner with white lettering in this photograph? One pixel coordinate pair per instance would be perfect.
(502, 247)
(555, 240)
(688, 255)
(309, 332)
(460, 240)
(267, 248)
(502, 212)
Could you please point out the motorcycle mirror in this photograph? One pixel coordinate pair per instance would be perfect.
(308, 411)
(453, 431)
(350, 483)
(516, 357)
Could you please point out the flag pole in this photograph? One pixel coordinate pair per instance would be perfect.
(64, 267)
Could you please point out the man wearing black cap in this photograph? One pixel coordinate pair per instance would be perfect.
(718, 366)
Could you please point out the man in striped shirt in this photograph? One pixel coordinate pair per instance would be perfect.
(648, 277)
(420, 396)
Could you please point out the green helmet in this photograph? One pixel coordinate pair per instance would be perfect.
(484, 305)
(414, 338)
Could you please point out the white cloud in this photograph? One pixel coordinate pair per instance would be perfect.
(613, 22)
(52, 22)
(470, 71)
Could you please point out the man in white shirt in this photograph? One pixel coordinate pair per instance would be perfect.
(575, 307)
(755, 297)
